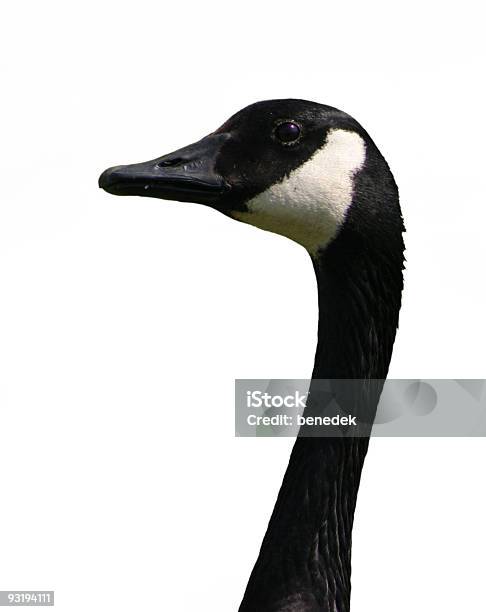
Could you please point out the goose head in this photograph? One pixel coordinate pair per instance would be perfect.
(287, 166)
(311, 173)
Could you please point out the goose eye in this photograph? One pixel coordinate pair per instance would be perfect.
(287, 132)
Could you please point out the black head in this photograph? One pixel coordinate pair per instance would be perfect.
(288, 166)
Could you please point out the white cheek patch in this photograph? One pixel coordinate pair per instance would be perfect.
(310, 205)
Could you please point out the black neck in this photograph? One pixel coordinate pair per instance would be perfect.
(359, 291)
(305, 559)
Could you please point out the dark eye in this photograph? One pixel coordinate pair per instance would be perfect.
(287, 132)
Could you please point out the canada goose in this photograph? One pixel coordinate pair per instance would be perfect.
(309, 172)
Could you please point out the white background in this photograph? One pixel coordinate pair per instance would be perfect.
(124, 321)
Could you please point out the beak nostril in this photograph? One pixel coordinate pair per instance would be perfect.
(167, 163)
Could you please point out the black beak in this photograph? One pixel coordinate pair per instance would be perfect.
(187, 175)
